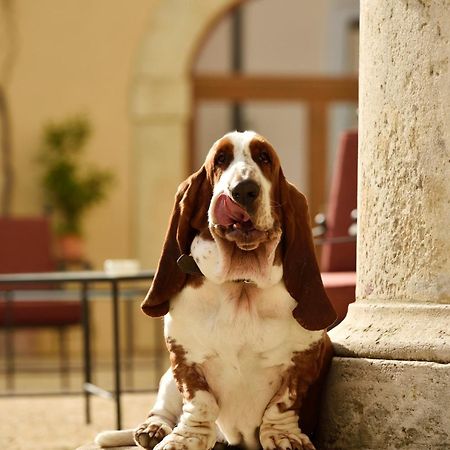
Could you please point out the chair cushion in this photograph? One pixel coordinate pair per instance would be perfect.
(41, 313)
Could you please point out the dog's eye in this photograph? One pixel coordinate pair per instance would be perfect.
(264, 157)
(221, 159)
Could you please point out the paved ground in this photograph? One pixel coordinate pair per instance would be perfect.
(57, 423)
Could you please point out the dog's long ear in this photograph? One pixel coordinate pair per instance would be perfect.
(189, 216)
(301, 272)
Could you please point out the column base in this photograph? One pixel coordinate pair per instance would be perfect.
(402, 331)
(385, 404)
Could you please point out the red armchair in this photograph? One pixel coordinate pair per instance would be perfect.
(25, 246)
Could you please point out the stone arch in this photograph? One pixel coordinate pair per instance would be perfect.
(161, 113)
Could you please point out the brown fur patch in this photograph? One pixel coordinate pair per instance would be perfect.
(265, 156)
(188, 376)
(189, 217)
(195, 281)
(303, 383)
(297, 379)
(206, 235)
(219, 159)
(301, 272)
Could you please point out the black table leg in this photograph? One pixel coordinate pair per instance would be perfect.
(86, 351)
(129, 345)
(9, 341)
(116, 342)
(158, 352)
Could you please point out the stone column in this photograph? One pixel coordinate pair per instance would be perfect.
(389, 387)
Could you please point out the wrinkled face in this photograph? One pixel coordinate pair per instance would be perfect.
(243, 168)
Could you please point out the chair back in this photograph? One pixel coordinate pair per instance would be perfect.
(341, 257)
(25, 246)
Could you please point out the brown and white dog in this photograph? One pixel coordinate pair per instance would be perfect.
(245, 323)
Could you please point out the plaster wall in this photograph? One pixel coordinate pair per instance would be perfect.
(76, 57)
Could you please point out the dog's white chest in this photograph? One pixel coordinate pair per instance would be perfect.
(243, 338)
(233, 319)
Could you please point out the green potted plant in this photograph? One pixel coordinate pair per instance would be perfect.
(69, 187)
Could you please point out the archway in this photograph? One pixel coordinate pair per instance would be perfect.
(160, 114)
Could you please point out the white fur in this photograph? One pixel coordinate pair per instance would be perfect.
(114, 438)
(214, 264)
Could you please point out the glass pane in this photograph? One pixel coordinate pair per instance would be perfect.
(299, 38)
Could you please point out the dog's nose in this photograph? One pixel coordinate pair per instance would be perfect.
(245, 193)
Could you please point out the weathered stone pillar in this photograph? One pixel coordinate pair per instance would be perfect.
(389, 387)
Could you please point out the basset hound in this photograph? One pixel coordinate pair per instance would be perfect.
(245, 311)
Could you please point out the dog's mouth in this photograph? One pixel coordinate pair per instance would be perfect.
(234, 223)
(230, 214)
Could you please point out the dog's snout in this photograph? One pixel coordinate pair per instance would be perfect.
(246, 192)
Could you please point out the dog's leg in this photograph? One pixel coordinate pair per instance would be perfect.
(163, 416)
(280, 430)
(196, 429)
(280, 423)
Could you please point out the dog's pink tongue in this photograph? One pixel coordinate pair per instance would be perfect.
(227, 212)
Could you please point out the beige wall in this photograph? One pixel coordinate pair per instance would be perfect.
(78, 56)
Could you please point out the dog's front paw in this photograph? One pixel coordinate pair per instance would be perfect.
(285, 440)
(151, 433)
(181, 439)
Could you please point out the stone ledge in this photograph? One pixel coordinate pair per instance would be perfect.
(383, 405)
(402, 331)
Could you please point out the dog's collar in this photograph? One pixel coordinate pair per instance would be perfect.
(244, 280)
(188, 265)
